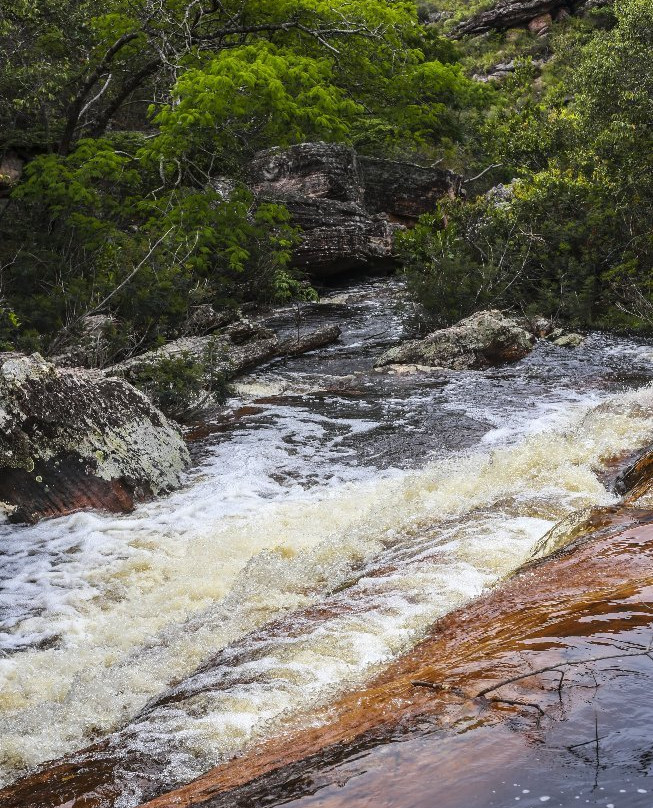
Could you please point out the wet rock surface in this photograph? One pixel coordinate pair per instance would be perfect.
(72, 439)
(485, 339)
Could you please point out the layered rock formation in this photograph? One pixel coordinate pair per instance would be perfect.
(486, 338)
(537, 15)
(348, 207)
(72, 439)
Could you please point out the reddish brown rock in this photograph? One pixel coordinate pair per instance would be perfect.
(72, 439)
(540, 25)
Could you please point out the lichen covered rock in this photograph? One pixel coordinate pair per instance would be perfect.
(486, 338)
(73, 439)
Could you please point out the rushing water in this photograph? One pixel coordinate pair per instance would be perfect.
(328, 522)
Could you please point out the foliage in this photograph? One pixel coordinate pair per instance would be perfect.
(181, 385)
(134, 113)
(572, 238)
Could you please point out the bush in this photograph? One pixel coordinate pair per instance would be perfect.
(181, 386)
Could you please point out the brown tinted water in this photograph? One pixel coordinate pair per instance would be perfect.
(399, 744)
(334, 517)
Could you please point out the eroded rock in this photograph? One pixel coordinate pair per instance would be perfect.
(541, 25)
(73, 439)
(486, 338)
(348, 207)
(227, 354)
(506, 14)
(405, 190)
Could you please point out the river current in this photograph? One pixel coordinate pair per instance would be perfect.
(332, 515)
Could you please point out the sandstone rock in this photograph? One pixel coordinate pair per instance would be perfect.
(230, 352)
(541, 25)
(404, 190)
(72, 439)
(237, 349)
(506, 14)
(486, 338)
(539, 326)
(339, 236)
(347, 207)
(569, 340)
(315, 170)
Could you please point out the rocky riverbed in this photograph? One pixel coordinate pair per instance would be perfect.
(338, 521)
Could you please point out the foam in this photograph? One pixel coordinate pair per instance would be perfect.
(141, 600)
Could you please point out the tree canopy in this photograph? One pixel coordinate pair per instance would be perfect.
(131, 115)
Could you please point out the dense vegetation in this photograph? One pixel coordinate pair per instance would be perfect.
(571, 235)
(135, 111)
(138, 119)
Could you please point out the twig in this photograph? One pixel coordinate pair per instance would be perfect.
(556, 668)
(485, 170)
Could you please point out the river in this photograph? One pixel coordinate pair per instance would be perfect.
(332, 515)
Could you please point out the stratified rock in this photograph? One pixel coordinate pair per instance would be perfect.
(235, 350)
(347, 207)
(511, 13)
(232, 351)
(72, 439)
(403, 190)
(486, 338)
(339, 236)
(313, 170)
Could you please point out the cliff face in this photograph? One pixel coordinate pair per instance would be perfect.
(536, 14)
(347, 206)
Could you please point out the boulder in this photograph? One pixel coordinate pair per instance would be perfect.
(540, 25)
(348, 207)
(486, 338)
(339, 236)
(73, 439)
(313, 170)
(565, 340)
